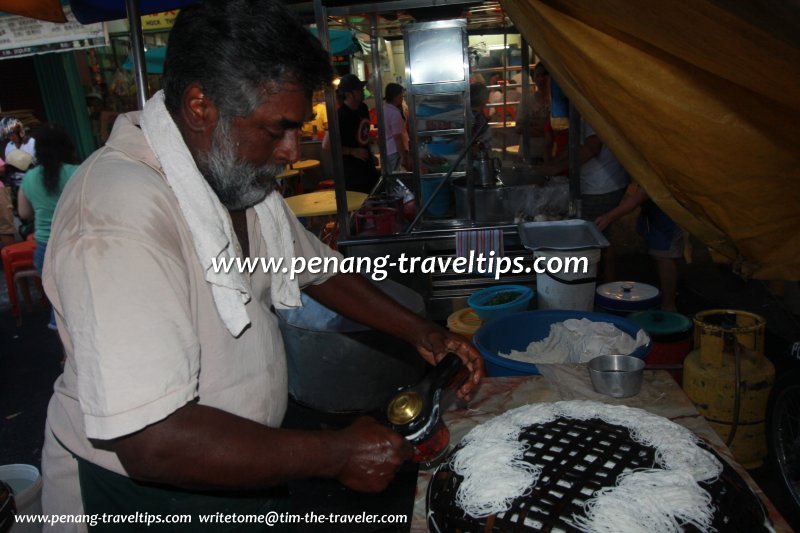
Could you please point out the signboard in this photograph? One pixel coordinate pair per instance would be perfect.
(159, 21)
(24, 36)
(150, 23)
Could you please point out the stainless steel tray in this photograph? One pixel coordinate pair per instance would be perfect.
(561, 235)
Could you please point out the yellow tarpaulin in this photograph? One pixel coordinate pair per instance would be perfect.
(700, 101)
(39, 9)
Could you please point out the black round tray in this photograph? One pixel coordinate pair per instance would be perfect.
(577, 458)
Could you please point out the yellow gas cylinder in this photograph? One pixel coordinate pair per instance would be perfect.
(729, 380)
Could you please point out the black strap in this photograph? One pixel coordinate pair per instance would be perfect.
(572, 281)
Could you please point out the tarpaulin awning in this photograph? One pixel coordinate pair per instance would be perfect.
(86, 11)
(343, 42)
(700, 101)
(49, 10)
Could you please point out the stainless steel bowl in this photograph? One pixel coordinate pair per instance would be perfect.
(619, 376)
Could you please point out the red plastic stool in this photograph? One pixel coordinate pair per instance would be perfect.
(376, 221)
(18, 258)
(325, 184)
(21, 278)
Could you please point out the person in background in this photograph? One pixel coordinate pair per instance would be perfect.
(318, 125)
(478, 98)
(603, 184)
(396, 144)
(42, 186)
(534, 116)
(94, 107)
(555, 141)
(477, 77)
(360, 172)
(8, 229)
(175, 384)
(664, 239)
(503, 108)
(14, 132)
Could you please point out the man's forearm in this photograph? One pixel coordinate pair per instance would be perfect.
(356, 298)
(203, 447)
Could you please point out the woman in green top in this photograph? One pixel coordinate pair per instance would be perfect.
(42, 185)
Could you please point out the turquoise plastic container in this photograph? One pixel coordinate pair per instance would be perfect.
(440, 207)
(478, 301)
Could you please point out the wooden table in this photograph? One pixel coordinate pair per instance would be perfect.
(305, 164)
(660, 395)
(321, 203)
(513, 150)
(318, 208)
(288, 174)
(302, 166)
(499, 124)
(288, 180)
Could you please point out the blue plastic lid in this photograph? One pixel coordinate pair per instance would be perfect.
(663, 325)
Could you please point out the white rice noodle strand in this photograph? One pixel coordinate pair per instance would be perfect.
(659, 501)
(495, 474)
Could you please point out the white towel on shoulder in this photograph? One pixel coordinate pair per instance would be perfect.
(210, 223)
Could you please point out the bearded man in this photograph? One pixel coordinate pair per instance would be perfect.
(175, 386)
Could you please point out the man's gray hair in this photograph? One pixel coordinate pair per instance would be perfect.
(234, 49)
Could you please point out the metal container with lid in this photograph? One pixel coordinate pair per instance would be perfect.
(623, 297)
(663, 326)
(671, 334)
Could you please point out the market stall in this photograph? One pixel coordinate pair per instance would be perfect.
(444, 192)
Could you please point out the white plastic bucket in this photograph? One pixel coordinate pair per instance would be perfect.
(567, 290)
(26, 482)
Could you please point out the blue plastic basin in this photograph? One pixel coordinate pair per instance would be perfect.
(443, 147)
(517, 331)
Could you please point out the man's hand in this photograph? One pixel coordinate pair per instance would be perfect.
(356, 298)
(405, 161)
(376, 452)
(360, 153)
(603, 221)
(434, 342)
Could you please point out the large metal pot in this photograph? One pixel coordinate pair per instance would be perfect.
(525, 196)
(338, 365)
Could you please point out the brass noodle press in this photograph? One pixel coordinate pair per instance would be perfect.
(415, 411)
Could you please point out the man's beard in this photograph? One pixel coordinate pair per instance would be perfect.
(238, 184)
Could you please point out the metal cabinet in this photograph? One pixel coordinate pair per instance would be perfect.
(440, 120)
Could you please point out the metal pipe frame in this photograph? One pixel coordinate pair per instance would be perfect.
(392, 5)
(137, 50)
(527, 98)
(575, 141)
(377, 86)
(334, 135)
